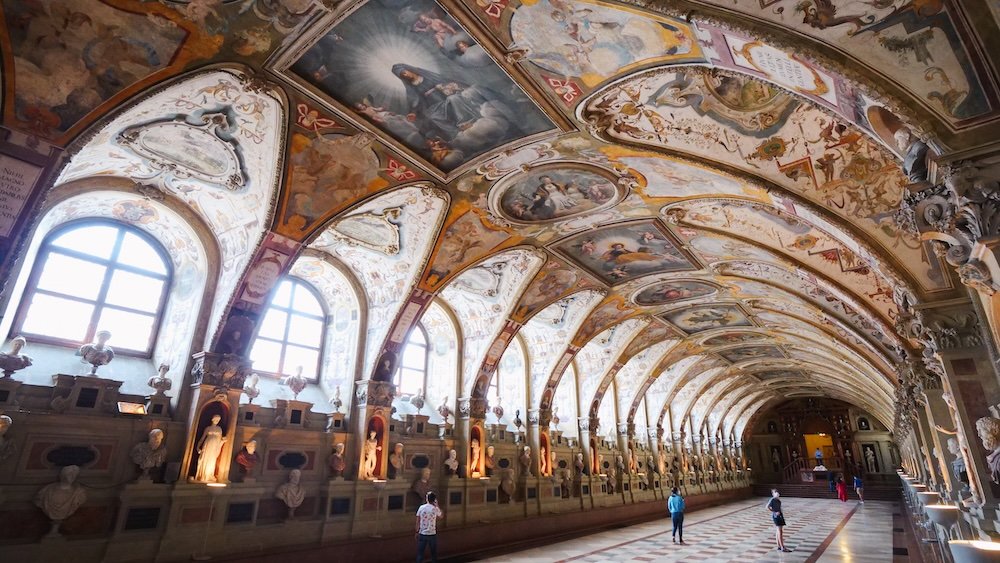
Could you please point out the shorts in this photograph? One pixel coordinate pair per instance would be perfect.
(779, 520)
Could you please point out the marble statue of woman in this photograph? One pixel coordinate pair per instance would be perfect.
(149, 454)
(474, 460)
(291, 492)
(370, 459)
(209, 449)
(60, 500)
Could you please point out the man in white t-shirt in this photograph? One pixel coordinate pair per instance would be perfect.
(427, 517)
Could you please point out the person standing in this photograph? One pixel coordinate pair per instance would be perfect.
(818, 454)
(833, 481)
(859, 487)
(675, 504)
(427, 517)
(841, 489)
(774, 506)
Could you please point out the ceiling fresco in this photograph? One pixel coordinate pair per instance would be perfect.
(689, 211)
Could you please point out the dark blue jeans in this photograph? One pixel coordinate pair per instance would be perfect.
(424, 542)
(678, 519)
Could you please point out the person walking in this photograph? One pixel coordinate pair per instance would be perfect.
(427, 517)
(841, 489)
(675, 504)
(778, 517)
(832, 477)
(859, 487)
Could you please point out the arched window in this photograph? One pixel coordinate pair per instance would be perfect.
(95, 276)
(412, 373)
(291, 331)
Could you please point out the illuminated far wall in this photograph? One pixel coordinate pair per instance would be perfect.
(822, 441)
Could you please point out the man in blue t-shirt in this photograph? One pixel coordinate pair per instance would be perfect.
(675, 504)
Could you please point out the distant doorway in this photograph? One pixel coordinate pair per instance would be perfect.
(824, 443)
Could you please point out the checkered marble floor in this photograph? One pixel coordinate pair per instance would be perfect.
(817, 531)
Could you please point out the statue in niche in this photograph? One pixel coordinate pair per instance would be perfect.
(525, 460)
(422, 485)
(370, 457)
(989, 432)
(633, 465)
(580, 466)
(396, 461)
(870, 463)
(491, 461)
(61, 499)
(337, 462)
(13, 360)
(209, 449)
(97, 353)
(6, 444)
(474, 460)
(553, 458)
(150, 454)
(451, 464)
(247, 459)
(291, 492)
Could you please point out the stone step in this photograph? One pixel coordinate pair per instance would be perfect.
(822, 490)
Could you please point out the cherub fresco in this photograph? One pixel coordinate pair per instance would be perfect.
(625, 252)
(553, 194)
(698, 319)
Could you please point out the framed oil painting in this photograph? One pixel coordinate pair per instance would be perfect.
(707, 317)
(410, 72)
(662, 293)
(555, 192)
(752, 353)
(620, 253)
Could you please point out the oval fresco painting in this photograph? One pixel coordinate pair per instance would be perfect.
(552, 193)
(671, 291)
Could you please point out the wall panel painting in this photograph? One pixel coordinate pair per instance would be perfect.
(624, 252)
(411, 71)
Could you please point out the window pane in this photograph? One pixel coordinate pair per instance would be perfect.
(58, 318)
(134, 291)
(305, 331)
(71, 276)
(266, 355)
(306, 302)
(413, 356)
(128, 330)
(283, 295)
(410, 381)
(417, 337)
(273, 325)
(98, 240)
(138, 253)
(296, 356)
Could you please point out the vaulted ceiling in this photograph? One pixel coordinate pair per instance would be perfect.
(693, 199)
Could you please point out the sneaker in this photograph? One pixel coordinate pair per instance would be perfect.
(682, 542)
(673, 540)
(786, 550)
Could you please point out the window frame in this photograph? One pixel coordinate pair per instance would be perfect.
(46, 248)
(324, 321)
(397, 377)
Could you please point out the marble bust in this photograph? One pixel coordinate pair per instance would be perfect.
(337, 463)
(422, 485)
(989, 432)
(451, 464)
(525, 460)
(97, 353)
(13, 360)
(6, 445)
(291, 492)
(396, 461)
(150, 454)
(247, 458)
(579, 465)
(490, 461)
(61, 499)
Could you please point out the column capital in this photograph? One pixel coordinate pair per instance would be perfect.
(583, 423)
